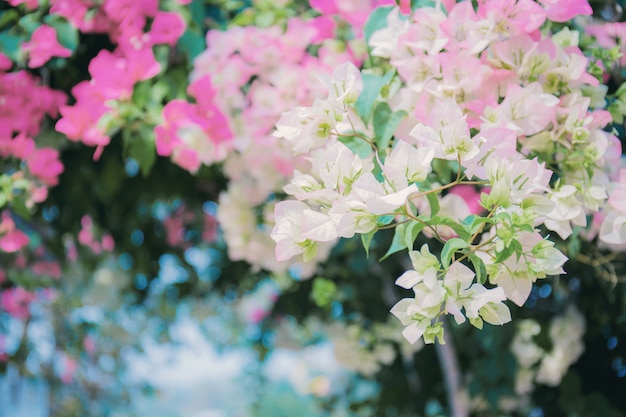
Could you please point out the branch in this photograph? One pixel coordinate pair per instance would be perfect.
(457, 400)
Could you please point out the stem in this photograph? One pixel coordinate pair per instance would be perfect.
(452, 375)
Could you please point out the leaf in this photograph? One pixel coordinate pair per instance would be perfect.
(473, 222)
(192, 43)
(508, 251)
(29, 23)
(450, 248)
(398, 242)
(18, 204)
(479, 268)
(366, 239)
(8, 17)
(142, 149)
(357, 145)
(433, 200)
(412, 231)
(10, 45)
(419, 4)
(376, 21)
(323, 292)
(385, 123)
(372, 84)
(458, 228)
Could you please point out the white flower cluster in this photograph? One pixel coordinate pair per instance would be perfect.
(536, 365)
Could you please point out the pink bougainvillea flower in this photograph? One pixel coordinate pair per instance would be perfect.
(5, 62)
(16, 302)
(11, 239)
(30, 4)
(44, 45)
(325, 28)
(44, 163)
(564, 10)
(324, 6)
(22, 146)
(166, 28)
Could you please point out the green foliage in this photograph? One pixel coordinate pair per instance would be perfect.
(377, 20)
(372, 86)
(324, 292)
(385, 123)
(66, 32)
(450, 248)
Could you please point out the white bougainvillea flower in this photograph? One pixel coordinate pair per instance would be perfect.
(344, 85)
(410, 315)
(447, 132)
(407, 164)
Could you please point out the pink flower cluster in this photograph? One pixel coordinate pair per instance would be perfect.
(87, 237)
(353, 12)
(43, 45)
(16, 301)
(194, 134)
(256, 74)
(609, 35)
(114, 74)
(181, 220)
(23, 106)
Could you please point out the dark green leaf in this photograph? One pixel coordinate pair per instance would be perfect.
(192, 43)
(10, 45)
(8, 17)
(142, 149)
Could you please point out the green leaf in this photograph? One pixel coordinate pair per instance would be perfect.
(479, 268)
(357, 145)
(324, 292)
(366, 239)
(192, 43)
(197, 12)
(10, 45)
(412, 231)
(385, 220)
(473, 222)
(433, 200)
(385, 123)
(19, 207)
(450, 248)
(8, 17)
(142, 149)
(376, 21)
(418, 4)
(66, 32)
(398, 242)
(508, 251)
(372, 84)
